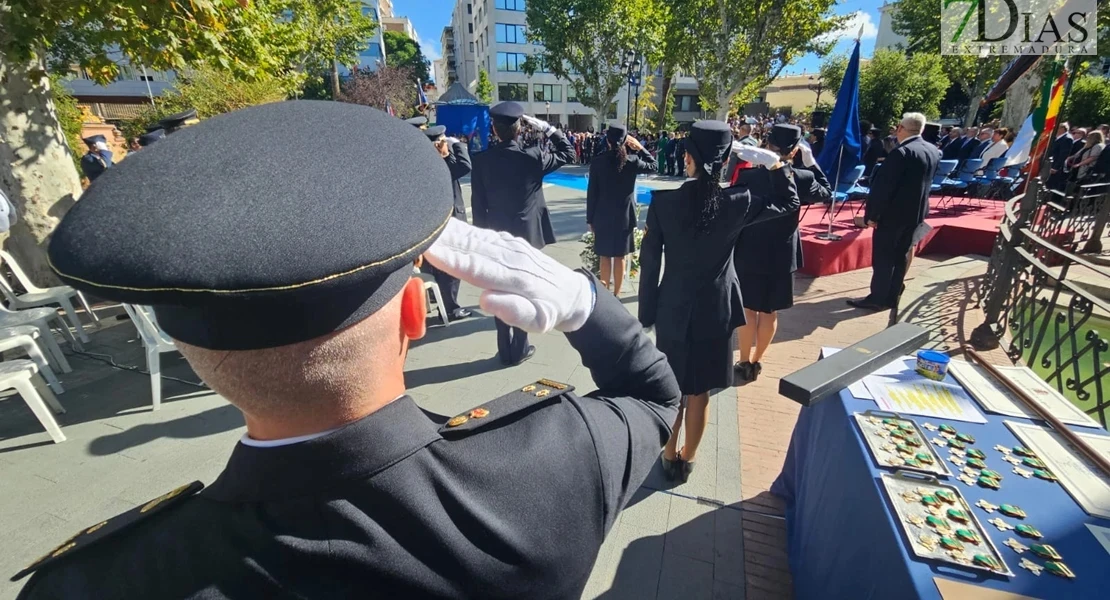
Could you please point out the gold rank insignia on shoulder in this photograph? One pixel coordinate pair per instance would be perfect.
(103, 529)
(508, 404)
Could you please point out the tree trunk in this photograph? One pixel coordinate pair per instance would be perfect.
(723, 100)
(334, 80)
(660, 115)
(39, 176)
(972, 110)
(1019, 99)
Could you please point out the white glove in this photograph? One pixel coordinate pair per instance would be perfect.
(760, 157)
(807, 155)
(452, 140)
(522, 286)
(539, 125)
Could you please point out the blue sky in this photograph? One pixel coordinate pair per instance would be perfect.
(429, 17)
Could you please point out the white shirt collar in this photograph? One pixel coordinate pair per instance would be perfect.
(247, 440)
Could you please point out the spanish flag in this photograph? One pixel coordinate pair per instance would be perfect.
(1044, 118)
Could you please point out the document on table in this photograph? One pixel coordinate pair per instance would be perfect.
(1101, 534)
(995, 397)
(1083, 480)
(920, 396)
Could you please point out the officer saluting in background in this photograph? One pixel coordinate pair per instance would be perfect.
(457, 158)
(342, 487)
(507, 195)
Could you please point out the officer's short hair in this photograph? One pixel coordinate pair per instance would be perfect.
(506, 131)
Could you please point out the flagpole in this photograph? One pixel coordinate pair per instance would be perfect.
(829, 235)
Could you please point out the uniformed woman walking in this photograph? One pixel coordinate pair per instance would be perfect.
(611, 201)
(697, 306)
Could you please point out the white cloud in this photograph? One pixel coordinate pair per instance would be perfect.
(851, 28)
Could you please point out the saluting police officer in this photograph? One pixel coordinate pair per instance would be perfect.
(342, 487)
(507, 195)
(458, 163)
(97, 159)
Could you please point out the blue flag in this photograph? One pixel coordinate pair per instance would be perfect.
(841, 152)
(421, 99)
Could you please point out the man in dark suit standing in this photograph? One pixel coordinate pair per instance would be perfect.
(507, 195)
(897, 205)
(1058, 153)
(456, 157)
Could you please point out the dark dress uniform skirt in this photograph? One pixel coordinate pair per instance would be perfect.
(613, 241)
(700, 366)
(766, 292)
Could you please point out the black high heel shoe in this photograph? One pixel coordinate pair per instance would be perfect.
(744, 370)
(684, 467)
(671, 468)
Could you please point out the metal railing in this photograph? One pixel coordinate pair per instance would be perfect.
(1052, 302)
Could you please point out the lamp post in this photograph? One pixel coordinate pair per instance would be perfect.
(816, 88)
(547, 109)
(631, 66)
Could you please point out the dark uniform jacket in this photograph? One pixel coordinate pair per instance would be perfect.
(874, 152)
(900, 190)
(93, 164)
(396, 505)
(507, 188)
(952, 150)
(611, 194)
(972, 149)
(773, 245)
(458, 162)
(699, 296)
(1060, 151)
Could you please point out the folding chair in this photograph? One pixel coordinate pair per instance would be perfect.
(845, 188)
(944, 168)
(964, 178)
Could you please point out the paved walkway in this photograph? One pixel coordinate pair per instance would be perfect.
(709, 538)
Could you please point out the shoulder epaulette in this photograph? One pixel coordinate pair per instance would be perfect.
(523, 398)
(105, 529)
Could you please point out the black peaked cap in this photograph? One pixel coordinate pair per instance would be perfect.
(709, 141)
(240, 245)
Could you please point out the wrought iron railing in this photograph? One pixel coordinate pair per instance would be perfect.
(1047, 298)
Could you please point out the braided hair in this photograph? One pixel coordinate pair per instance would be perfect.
(709, 192)
(621, 153)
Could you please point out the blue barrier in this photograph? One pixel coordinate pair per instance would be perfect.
(579, 182)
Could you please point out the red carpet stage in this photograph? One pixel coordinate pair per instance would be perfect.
(959, 230)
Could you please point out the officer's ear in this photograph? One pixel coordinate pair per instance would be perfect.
(413, 311)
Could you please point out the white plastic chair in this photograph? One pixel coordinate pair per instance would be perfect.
(156, 342)
(37, 296)
(23, 377)
(430, 285)
(41, 318)
(24, 337)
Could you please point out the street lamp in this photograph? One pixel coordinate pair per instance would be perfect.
(547, 108)
(631, 66)
(816, 88)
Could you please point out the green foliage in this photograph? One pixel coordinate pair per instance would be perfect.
(211, 91)
(69, 117)
(831, 73)
(737, 47)
(484, 88)
(1089, 102)
(664, 119)
(893, 83)
(403, 51)
(645, 107)
(585, 41)
(251, 38)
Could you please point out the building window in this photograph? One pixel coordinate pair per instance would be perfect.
(468, 10)
(512, 91)
(509, 4)
(470, 27)
(509, 34)
(572, 96)
(546, 92)
(510, 61)
(472, 46)
(685, 104)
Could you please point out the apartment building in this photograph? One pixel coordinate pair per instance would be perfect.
(462, 27)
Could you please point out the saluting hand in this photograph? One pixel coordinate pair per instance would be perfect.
(522, 286)
(633, 144)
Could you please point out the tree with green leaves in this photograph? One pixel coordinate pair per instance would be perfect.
(483, 90)
(403, 51)
(250, 38)
(893, 84)
(1088, 103)
(920, 22)
(831, 73)
(586, 42)
(734, 48)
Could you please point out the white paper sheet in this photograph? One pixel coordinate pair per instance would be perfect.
(1102, 534)
(1083, 480)
(893, 369)
(997, 398)
(917, 395)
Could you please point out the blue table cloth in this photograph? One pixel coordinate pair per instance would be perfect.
(844, 540)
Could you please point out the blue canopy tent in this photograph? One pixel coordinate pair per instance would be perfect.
(461, 113)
